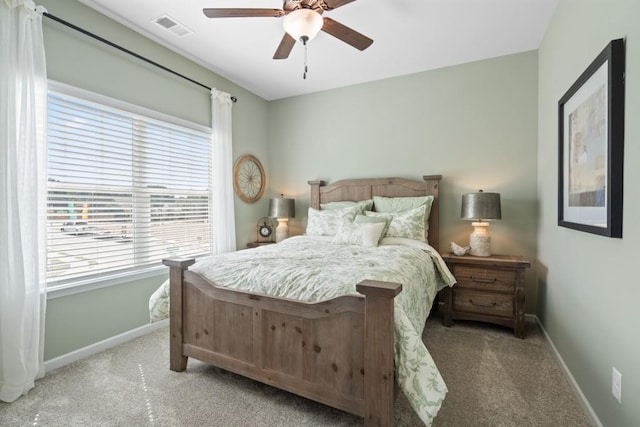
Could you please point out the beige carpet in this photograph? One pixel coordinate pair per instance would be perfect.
(494, 379)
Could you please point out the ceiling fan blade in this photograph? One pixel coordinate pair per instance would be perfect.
(334, 4)
(285, 46)
(346, 34)
(243, 13)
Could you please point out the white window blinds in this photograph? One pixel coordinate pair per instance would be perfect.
(124, 190)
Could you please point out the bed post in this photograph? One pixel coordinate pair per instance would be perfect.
(315, 193)
(433, 188)
(378, 351)
(177, 266)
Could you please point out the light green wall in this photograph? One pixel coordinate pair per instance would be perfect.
(73, 322)
(79, 320)
(476, 124)
(588, 284)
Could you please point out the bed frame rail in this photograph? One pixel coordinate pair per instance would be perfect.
(337, 352)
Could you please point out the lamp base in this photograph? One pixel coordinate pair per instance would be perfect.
(480, 241)
(282, 230)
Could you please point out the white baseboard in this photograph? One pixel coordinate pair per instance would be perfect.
(81, 353)
(574, 384)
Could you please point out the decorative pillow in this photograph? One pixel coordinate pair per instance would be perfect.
(364, 205)
(409, 223)
(363, 219)
(350, 233)
(399, 204)
(325, 223)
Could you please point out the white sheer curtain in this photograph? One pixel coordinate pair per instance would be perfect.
(223, 229)
(23, 109)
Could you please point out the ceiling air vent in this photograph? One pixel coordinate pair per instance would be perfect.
(173, 26)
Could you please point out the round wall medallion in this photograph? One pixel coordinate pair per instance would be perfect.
(249, 179)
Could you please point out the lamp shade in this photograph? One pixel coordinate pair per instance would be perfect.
(282, 208)
(480, 206)
(303, 23)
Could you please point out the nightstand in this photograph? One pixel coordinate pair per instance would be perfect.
(257, 244)
(488, 289)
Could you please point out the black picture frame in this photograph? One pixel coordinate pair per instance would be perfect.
(591, 146)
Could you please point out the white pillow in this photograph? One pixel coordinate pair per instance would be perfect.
(363, 219)
(326, 222)
(367, 234)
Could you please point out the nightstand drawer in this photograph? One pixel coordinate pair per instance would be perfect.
(486, 278)
(482, 302)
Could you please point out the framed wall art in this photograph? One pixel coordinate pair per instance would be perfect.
(590, 148)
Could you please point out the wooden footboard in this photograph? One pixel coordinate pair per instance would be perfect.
(337, 352)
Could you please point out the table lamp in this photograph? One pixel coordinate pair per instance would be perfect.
(282, 209)
(480, 207)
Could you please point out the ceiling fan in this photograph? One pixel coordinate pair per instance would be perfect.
(302, 22)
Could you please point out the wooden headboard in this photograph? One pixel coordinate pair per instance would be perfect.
(366, 188)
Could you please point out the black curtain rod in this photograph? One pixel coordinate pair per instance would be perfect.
(114, 45)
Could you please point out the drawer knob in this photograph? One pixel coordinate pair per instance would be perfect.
(483, 280)
(493, 304)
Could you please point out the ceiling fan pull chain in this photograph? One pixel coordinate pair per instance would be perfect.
(306, 69)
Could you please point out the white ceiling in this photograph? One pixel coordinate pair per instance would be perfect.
(409, 36)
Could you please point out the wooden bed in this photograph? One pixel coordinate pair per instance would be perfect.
(337, 352)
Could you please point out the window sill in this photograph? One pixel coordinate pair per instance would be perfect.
(105, 281)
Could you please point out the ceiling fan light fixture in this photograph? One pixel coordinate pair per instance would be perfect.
(303, 23)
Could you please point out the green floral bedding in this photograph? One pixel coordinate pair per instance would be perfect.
(315, 269)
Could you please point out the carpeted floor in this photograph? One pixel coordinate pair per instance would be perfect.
(494, 379)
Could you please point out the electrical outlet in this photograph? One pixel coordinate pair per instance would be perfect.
(616, 385)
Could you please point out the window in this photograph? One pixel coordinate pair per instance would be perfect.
(125, 189)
